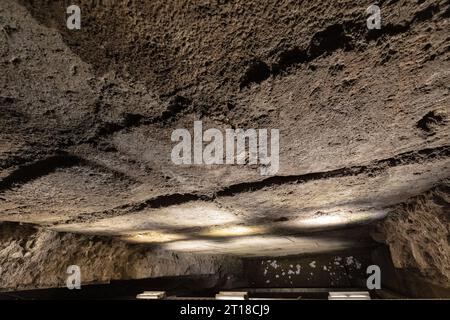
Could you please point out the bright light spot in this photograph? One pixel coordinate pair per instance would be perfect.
(153, 237)
(192, 246)
(323, 221)
(193, 216)
(338, 218)
(231, 231)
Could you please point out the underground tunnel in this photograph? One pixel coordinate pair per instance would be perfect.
(224, 149)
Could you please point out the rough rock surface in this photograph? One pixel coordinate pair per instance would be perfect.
(417, 233)
(35, 258)
(86, 118)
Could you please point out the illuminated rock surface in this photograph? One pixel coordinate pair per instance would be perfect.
(364, 119)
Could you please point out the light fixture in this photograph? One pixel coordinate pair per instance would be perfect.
(232, 295)
(363, 295)
(151, 295)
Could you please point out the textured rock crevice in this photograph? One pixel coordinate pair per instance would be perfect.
(418, 235)
(33, 258)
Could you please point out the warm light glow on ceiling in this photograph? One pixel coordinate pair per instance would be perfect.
(231, 231)
(153, 237)
(259, 245)
(320, 221)
(337, 218)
